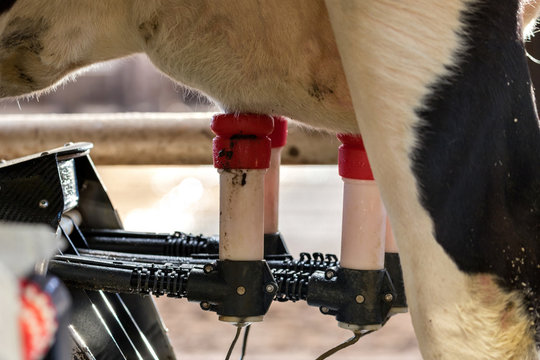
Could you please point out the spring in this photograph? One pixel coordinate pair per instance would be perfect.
(160, 280)
(184, 245)
(292, 285)
(309, 263)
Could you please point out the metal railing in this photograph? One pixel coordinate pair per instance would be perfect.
(144, 138)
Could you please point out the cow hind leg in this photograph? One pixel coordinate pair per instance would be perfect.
(436, 87)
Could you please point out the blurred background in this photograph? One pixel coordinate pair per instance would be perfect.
(165, 198)
(125, 85)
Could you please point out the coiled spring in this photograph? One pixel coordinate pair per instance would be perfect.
(292, 276)
(309, 262)
(162, 280)
(183, 245)
(292, 285)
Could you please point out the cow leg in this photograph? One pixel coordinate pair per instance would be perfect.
(397, 56)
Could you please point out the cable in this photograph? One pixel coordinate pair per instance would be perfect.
(347, 343)
(231, 348)
(244, 342)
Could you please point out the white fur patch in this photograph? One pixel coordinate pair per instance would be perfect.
(42, 42)
(274, 57)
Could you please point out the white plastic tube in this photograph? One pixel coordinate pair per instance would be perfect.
(241, 229)
(363, 227)
(271, 193)
(390, 245)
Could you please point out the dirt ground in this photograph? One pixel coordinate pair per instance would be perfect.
(164, 199)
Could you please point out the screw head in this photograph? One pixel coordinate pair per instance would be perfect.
(360, 299)
(43, 204)
(205, 305)
(270, 288)
(388, 297)
(329, 274)
(240, 290)
(208, 268)
(68, 144)
(44, 153)
(324, 309)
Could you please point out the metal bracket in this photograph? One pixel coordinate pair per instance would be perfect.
(359, 299)
(238, 291)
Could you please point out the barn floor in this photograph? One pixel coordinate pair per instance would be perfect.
(164, 199)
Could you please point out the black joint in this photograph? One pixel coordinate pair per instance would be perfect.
(234, 288)
(393, 266)
(275, 247)
(357, 297)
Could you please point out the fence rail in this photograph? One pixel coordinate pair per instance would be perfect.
(144, 138)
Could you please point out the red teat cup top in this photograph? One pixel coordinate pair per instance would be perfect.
(352, 158)
(279, 135)
(242, 141)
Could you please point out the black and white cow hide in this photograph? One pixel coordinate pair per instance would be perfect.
(439, 90)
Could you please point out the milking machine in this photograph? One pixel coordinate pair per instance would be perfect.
(110, 272)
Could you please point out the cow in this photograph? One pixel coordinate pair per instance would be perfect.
(438, 89)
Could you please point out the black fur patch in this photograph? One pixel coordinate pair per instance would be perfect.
(24, 33)
(5, 5)
(478, 162)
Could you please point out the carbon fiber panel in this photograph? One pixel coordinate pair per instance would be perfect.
(31, 191)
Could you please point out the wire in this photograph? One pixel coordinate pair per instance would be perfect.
(244, 342)
(231, 348)
(347, 343)
(66, 235)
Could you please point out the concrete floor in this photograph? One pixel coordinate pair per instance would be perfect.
(164, 199)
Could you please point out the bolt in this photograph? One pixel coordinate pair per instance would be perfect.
(208, 268)
(324, 309)
(329, 274)
(205, 305)
(43, 204)
(3, 161)
(360, 299)
(44, 153)
(68, 144)
(240, 290)
(388, 297)
(270, 288)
